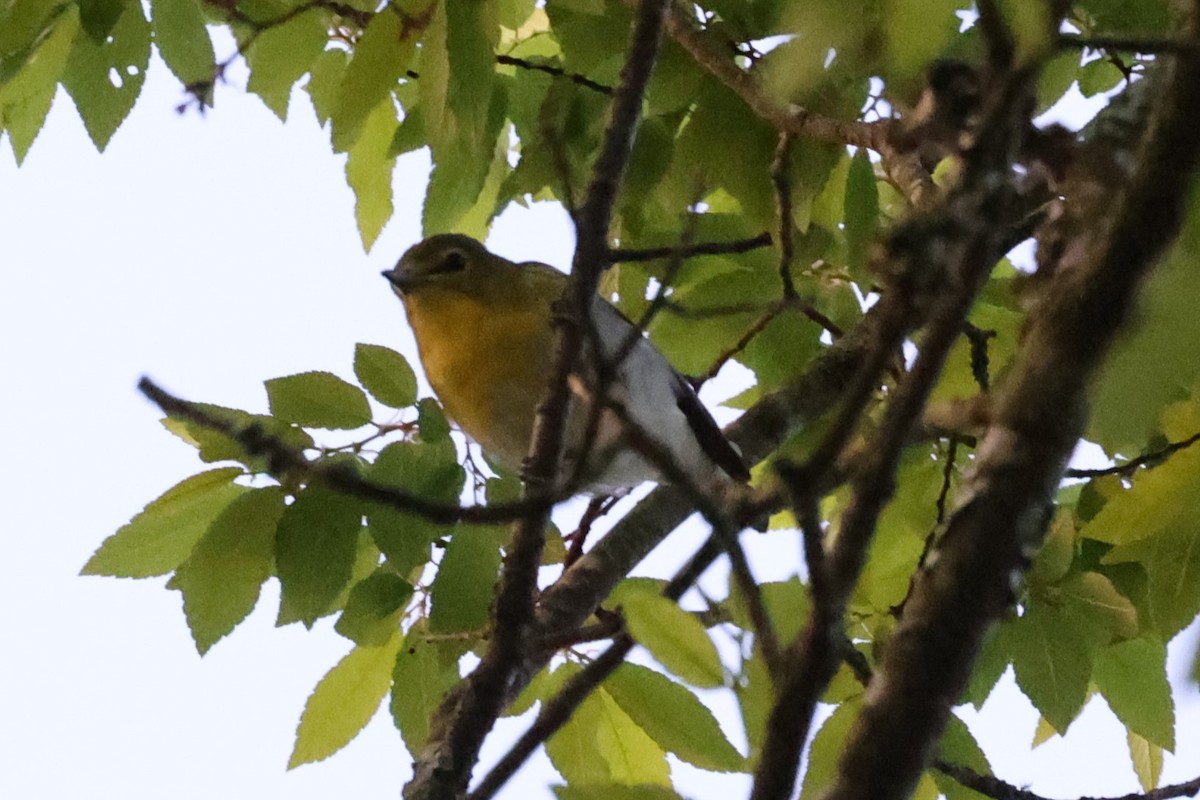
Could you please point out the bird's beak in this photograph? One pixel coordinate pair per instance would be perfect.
(399, 281)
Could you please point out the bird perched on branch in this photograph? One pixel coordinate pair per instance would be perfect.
(484, 329)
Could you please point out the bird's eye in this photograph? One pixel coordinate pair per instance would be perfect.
(453, 261)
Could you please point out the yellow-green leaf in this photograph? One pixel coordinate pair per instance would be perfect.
(673, 717)
(674, 637)
(420, 680)
(221, 579)
(369, 172)
(344, 701)
(1147, 760)
(318, 400)
(158, 540)
(381, 56)
(386, 375)
(315, 553)
(1132, 676)
(280, 56)
(183, 41)
(105, 77)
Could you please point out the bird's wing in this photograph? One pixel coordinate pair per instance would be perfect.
(614, 327)
(712, 440)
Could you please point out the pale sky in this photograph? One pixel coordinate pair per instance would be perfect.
(213, 253)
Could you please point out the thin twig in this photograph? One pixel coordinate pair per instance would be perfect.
(624, 255)
(781, 180)
(1002, 790)
(1131, 43)
(287, 462)
(1132, 466)
(557, 72)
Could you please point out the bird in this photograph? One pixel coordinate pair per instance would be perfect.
(485, 336)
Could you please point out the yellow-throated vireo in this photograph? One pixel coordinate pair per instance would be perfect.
(483, 326)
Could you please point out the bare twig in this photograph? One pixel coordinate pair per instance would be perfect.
(557, 72)
(1002, 790)
(1133, 465)
(781, 180)
(285, 461)
(625, 255)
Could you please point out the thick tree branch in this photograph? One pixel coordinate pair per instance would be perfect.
(1039, 415)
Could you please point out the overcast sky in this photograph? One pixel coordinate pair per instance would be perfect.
(212, 253)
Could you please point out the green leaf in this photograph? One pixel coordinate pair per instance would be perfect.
(183, 41)
(1053, 663)
(1097, 608)
(318, 400)
(614, 791)
(1132, 676)
(325, 78)
(373, 609)
(99, 17)
(1159, 499)
(674, 637)
(431, 471)
(369, 172)
(600, 743)
(827, 748)
(383, 54)
(419, 682)
(315, 552)
(282, 54)
(386, 375)
(216, 446)
(160, 538)
(1147, 760)
(673, 717)
(465, 583)
(105, 74)
(221, 579)
(958, 746)
(26, 96)
(862, 210)
(344, 701)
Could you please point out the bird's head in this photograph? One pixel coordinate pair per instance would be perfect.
(448, 260)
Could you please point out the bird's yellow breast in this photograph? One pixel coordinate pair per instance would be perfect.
(487, 362)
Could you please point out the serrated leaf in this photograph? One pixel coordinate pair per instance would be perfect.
(958, 746)
(318, 400)
(601, 744)
(431, 471)
(827, 748)
(382, 54)
(221, 580)
(315, 553)
(862, 210)
(419, 682)
(674, 637)
(1053, 663)
(216, 446)
(98, 17)
(25, 96)
(369, 172)
(160, 538)
(463, 589)
(325, 77)
(386, 375)
(182, 40)
(344, 701)
(280, 56)
(373, 609)
(104, 76)
(614, 791)
(673, 717)
(1097, 608)
(1132, 676)
(1147, 760)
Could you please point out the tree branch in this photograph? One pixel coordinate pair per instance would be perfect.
(1039, 416)
(1002, 790)
(458, 728)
